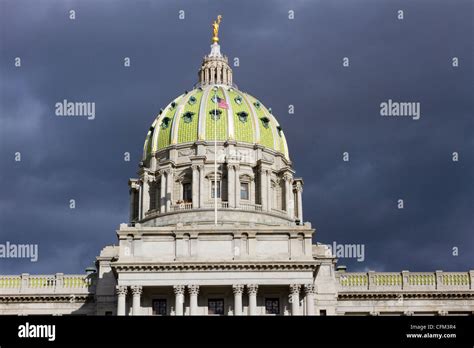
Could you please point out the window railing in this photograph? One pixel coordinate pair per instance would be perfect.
(182, 206)
(220, 205)
(250, 206)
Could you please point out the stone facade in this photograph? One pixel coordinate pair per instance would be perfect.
(257, 258)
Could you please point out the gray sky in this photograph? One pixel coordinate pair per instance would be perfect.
(282, 62)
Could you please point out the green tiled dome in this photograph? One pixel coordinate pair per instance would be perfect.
(191, 117)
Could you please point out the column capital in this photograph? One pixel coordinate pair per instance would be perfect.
(287, 177)
(193, 289)
(238, 289)
(178, 289)
(252, 289)
(136, 290)
(234, 166)
(298, 187)
(121, 290)
(309, 289)
(295, 289)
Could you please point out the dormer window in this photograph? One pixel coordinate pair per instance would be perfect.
(215, 114)
(238, 100)
(173, 105)
(242, 116)
(265, 122)
(165, 123)
(188, 117)
(257, 104)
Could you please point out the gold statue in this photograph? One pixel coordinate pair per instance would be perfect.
(215, 27)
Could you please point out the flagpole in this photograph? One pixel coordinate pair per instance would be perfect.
(215, 156)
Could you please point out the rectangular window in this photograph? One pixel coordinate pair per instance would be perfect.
(187, 193)
(215, 307)
(159, 307)
(244, 191)
(213, 189)
(272, 306)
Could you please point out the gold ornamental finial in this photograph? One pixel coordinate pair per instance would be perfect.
(215, 29)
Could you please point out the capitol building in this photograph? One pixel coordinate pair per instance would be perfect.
(217, 228)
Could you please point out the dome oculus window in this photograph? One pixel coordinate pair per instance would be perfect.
(215, 99)
(165, 123)
(257, 104)
(192, 100)
(238, 100)
(265, 122)
(215, 114)
(242, 116)
(188, 117)
(173, 105)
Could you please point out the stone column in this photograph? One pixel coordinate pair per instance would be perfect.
(193, 300)
(309, 291)
(169, 188)
(289, 196)
(269, 191)
(238, 290)
(237, 185)
(201, 186)
(140, 192)
(299, 193)
(162, 192)
(137, 292)
(121, 293)
(263, 189)
(179, 299)
(231, 185)
(146, 194)
(252, 290)
(295, 299)
(195, 186)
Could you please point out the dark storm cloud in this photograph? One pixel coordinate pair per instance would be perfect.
(282, 62)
